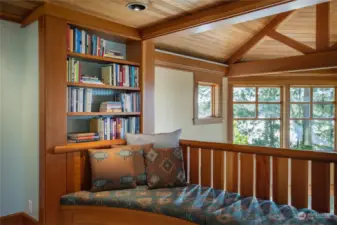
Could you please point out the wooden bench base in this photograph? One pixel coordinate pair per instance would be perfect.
(97, 215)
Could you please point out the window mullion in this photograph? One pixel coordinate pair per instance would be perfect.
(286, 117)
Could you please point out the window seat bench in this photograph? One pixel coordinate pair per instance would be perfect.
(192, 204)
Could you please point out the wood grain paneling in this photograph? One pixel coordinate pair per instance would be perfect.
(263, 177)
(217, 45)
(299, 183)
(333, 22)
(335, 187)
(315, 61)
(323, 26)
(320, 187)
(147, 86)
(246, 177)
(53, 114)
(231, 171)
(118, 12)
(280, 180)
(219, 170)
(194, 173)
(20, 218)
(301, 26)
(269, 48)
(273, 24)
(206, 167)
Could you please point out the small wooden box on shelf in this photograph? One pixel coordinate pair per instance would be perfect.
(88, 86)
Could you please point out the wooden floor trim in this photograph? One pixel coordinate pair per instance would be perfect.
(19, 218)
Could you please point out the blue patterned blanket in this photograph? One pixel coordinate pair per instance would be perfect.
(201, 205)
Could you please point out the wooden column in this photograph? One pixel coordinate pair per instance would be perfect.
(53, 124)
(147, 64)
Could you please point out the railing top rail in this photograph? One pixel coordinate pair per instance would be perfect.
(266, 151)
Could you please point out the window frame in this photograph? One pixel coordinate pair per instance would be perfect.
(256, 103)
(285, 108)
(215, 81)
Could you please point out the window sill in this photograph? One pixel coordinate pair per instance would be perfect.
(211, 120)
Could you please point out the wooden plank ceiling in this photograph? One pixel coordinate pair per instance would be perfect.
(220, 44)
(157, 11)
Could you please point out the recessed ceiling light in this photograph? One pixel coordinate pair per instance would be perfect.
(136, 6)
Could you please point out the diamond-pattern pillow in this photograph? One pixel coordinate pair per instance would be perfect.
(112, 169)
(165, 167)
(139, 166)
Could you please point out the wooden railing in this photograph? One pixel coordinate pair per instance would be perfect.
(283, 175)
(304, 179)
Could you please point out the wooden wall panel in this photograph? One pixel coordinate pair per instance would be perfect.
(299, 183)
(247, 173)
(218, 168)
(320, 187)
(262, 177)
(194, 173)
(53, 76)
(280, 180)
(147, 85)
(206, 167)
(232, 171)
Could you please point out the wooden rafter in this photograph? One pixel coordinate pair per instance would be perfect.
(314, 61)
(290, 42)
(272, 25)
(323, 26)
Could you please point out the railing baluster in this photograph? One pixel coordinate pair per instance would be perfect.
(199, 171)
(212, 168)
(254, 175)
(271, 178)
(225, 171)
(239, 173)
(289, 181)
(188, 165)
(332, 184)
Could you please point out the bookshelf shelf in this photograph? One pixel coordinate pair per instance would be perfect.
(103, 114)
(101, 59)
(70, 84)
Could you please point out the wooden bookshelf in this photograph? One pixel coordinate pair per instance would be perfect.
(70, 84)
(92, 58)
(103, 114)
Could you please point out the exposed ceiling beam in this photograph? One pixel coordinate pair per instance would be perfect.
(10, 17)
(237, 56)
(290, 42)
(225, 14)
(323, 26)
(314, 61)
(79, 18)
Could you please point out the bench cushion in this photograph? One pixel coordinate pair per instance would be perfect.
(200, 205)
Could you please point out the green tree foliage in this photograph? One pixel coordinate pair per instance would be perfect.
(316, 134)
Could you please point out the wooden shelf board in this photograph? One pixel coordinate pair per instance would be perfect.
(102, 59)
(103, 114)
(102, 86)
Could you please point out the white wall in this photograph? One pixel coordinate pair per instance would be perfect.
(19, 118)
(174, 107)
(30, 118)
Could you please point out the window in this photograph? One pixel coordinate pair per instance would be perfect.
(208, 95)
(206, 101)
(257, 116)
(312, 113)
(309, 121)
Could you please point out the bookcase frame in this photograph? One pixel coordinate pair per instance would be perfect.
(55, 180)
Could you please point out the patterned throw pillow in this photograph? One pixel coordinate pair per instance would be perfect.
(139, 166)
(165, 167)
(112, 169)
